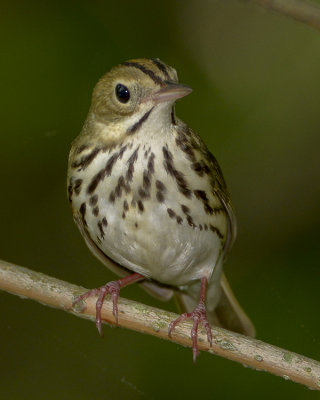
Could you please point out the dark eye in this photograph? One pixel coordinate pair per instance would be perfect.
(122, 93)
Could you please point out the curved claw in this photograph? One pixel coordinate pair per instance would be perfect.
(197, 315)
(112, 288)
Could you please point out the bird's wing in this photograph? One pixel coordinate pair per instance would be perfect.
(217, 185)
(221, 191)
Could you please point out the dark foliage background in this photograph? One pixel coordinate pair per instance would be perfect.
(256, 101)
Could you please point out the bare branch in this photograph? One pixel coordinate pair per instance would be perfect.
(139, 317)
(300, 10)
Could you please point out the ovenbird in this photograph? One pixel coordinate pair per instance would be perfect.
(150, 199)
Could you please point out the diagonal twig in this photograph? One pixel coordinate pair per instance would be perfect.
(303, 11)
(139, 317)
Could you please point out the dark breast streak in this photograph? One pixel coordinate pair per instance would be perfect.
(106, 171)
(186, 191)
(85, 161)
(177, 175)
(143, 189)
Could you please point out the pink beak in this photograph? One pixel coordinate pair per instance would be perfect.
(169, 93)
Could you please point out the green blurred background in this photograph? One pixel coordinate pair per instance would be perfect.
(256, 81)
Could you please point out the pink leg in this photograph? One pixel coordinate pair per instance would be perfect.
(112, 288)
(197, 315)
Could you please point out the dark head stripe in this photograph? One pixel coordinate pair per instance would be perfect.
(156, 79)
(162, 67)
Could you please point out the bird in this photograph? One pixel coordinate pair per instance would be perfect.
(151, 201)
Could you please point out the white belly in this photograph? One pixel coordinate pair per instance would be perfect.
(154, 245)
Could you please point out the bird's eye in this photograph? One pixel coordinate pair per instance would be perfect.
(122, 93)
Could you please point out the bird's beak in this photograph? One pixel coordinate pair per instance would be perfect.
(170, 92)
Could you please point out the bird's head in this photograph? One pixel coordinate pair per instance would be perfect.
(131, 91)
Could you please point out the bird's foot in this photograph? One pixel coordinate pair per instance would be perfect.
(112, 288)
(197, 315)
